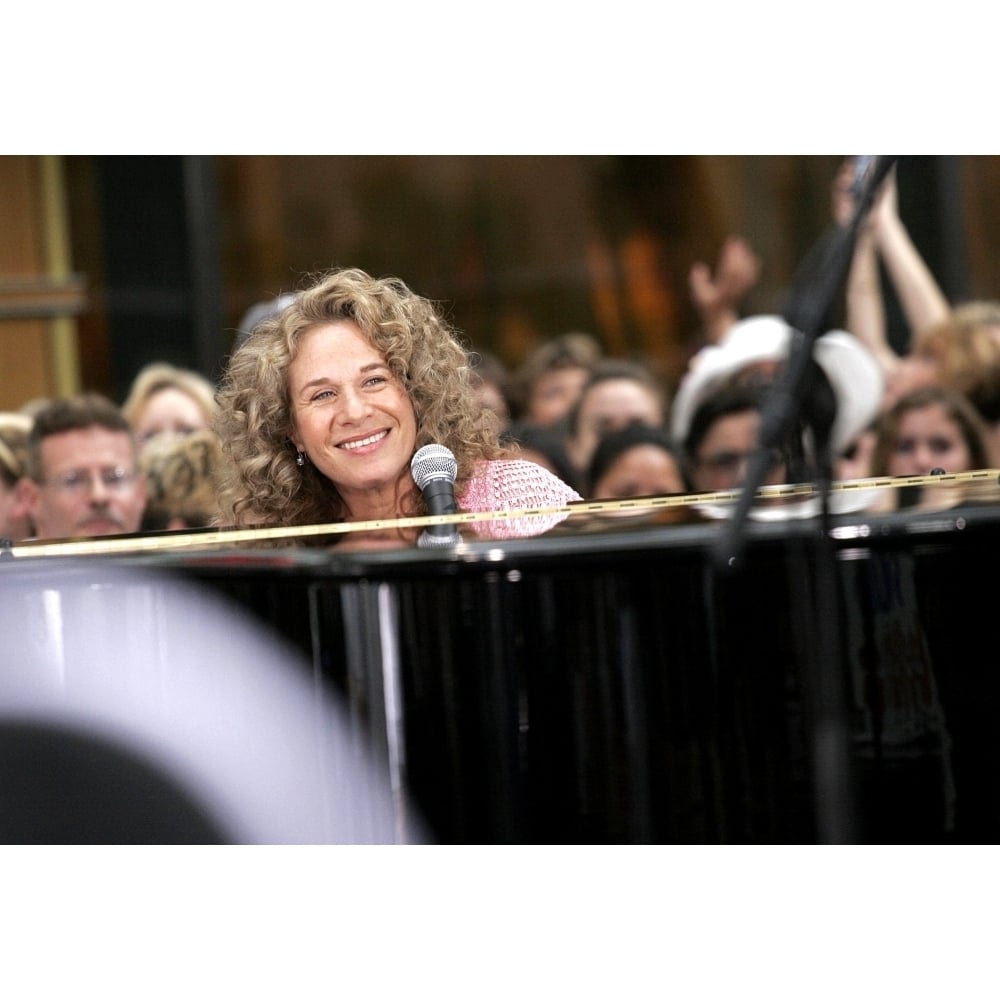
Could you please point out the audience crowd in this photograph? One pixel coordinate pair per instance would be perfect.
(604, 427)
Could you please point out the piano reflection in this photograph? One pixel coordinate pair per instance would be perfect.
(613, 681)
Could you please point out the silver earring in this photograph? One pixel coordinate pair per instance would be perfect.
(300, 459)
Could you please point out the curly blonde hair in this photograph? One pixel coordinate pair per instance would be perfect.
(180, 479)
(261, 483)
(966, 349)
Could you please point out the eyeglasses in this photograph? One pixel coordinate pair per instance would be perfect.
(81, 481)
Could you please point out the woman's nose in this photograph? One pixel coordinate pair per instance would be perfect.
(926, 460)
(353, 405)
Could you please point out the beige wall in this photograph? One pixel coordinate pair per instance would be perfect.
(518, 248)
(37, 299)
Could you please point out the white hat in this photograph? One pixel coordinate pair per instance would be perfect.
(851, 368)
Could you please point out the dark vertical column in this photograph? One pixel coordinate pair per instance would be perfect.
(930, 205)
(209, 340)
(161, 264)
(952, 263)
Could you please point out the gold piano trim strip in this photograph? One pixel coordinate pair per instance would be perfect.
(215, 537)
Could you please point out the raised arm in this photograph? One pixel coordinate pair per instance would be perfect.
(865, 306)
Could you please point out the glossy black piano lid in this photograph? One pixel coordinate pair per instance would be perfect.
(613, 685)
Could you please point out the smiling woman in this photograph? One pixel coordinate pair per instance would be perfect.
(324, 405)
(352, 419)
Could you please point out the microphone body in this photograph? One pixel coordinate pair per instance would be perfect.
(434, 469)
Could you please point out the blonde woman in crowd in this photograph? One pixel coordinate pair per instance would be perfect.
(166, 399)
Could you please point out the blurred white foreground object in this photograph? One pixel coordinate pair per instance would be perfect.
(136, 707)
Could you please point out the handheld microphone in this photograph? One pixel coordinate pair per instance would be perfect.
(434, 469)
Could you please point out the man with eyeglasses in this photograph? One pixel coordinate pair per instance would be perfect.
(83, 477)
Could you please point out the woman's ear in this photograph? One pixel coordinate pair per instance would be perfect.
(293, 434)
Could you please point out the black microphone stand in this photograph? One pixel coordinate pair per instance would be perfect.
(789, 410)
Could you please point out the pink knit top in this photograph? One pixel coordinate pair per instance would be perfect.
(514, 484)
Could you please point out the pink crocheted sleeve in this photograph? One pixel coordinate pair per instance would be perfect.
(514, 484)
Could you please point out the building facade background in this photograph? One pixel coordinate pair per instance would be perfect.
(109, 262)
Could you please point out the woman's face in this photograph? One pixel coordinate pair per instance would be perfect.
(554, 394)
(169, 411)
(644, 470)
(609, 406)
(351, 416)
(928, 438)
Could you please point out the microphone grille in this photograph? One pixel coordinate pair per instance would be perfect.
(432, 462)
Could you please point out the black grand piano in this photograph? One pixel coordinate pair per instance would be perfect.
(611, 682)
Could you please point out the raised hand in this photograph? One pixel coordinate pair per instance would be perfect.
(717, 296)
